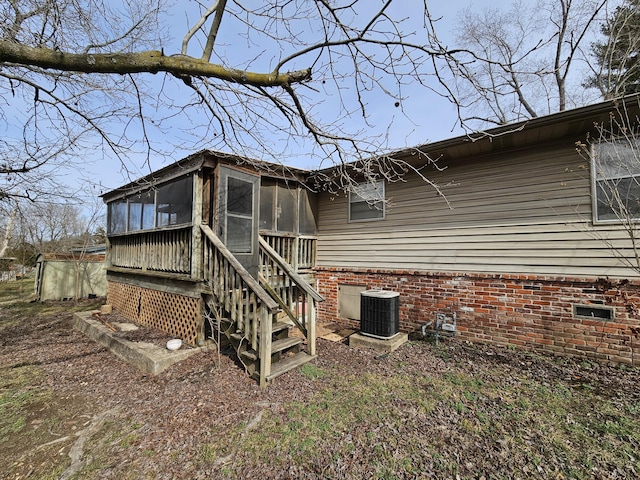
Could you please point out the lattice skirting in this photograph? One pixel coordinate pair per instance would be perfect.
(177, 315)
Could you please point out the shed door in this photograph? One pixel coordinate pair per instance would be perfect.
(237, 219)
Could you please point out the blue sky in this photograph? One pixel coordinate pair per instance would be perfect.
(424, 116)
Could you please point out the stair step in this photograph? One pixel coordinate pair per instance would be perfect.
(249, 355)
(236, 336)
(277, 346)
(280, 345)
(279, 326)
(289, 363)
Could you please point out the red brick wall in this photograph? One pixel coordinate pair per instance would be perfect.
(522, 310)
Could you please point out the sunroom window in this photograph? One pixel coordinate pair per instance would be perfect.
(118, 216)
(141, 211)
(366, 201)
(174, 202)
(616, 173)
(168, 204)
(286, 209)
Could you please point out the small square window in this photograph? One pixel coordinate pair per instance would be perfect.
(616, 173)
(366, 201)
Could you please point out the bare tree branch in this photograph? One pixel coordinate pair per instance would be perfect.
(523, 59)
(213, 32)
(152, 61)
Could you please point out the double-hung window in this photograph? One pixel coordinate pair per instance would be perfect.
(616, 174)
(366, 201)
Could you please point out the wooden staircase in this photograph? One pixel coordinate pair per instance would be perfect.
(257, 317)
(286, 351)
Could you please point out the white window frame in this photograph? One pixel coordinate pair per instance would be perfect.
(372, 193)
(598, 173)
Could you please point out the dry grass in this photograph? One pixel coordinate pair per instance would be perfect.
(424, 411)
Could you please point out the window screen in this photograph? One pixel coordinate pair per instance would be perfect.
(366, 201)
(118, 216)
(135, 216)
(267, 198)
(174, 202)
(170, 204)
(287, 208)
(239, 215)
(307, 219)
(616, 166)
(141, 211)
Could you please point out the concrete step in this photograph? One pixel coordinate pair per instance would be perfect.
(145, 356)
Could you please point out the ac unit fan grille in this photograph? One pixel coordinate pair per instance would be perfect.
(379, 313)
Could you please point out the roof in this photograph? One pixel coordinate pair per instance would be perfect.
(69, 257)
(575, 124)
(91, 249)
(195, 162)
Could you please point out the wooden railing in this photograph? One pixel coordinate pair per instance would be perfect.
(297, 251)
(306, 252)
(248, 305)
(167, 250)
(296, 297)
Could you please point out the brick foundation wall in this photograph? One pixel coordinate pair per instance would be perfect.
(527, 311)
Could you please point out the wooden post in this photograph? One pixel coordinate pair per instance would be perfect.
(311, 325)
(296, 253)
(265, 345)
(196, 233)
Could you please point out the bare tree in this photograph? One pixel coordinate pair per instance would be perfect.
(9, 217)
(516, 64)
(267, 79)
(53, 227)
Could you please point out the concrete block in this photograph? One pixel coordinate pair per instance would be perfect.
(147, 357)
(386, 345)
(106, 309)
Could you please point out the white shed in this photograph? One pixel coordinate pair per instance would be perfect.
(67, 276)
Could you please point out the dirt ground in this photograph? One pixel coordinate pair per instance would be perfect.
(155, 427)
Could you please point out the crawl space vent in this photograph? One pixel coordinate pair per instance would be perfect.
(593, 311)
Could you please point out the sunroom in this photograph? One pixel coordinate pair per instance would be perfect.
(216, 244)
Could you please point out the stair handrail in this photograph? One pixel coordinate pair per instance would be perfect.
(269, 303)
(290, 271)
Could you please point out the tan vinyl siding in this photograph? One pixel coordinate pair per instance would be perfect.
(517, 213)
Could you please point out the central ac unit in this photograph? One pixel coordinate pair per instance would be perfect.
(379, 313)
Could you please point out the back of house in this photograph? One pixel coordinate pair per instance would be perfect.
(525, 233)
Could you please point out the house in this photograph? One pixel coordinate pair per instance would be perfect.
(73, 275)
(526, 244)
(520, 240)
